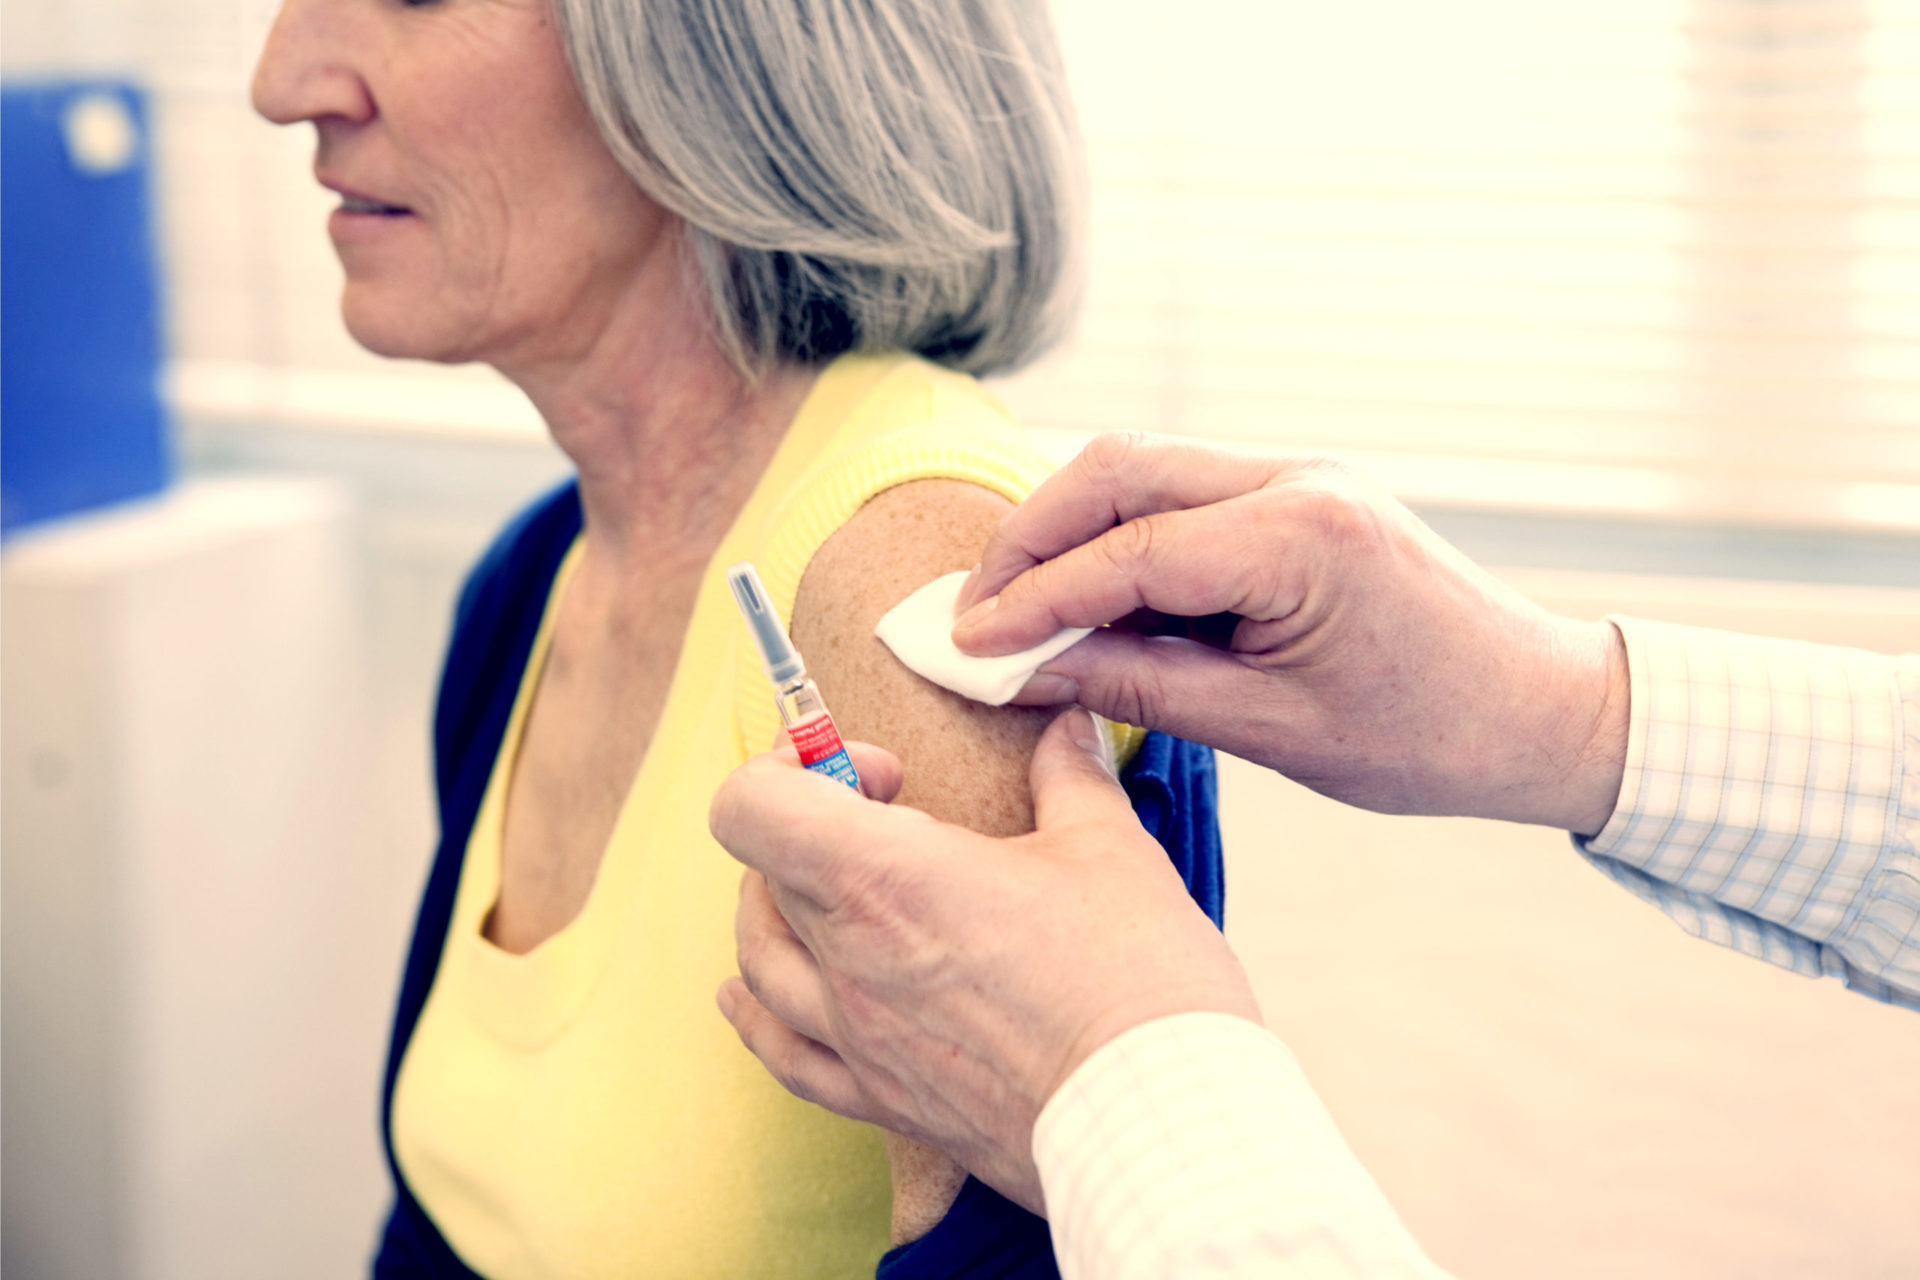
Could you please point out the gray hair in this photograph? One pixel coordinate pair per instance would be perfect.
(856, 174)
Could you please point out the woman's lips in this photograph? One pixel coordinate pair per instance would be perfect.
(361, 219)
(360, 214)
(362, 204)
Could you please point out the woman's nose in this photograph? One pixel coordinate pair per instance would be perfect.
(309, 68)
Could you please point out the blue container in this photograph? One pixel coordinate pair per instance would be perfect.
(81, 424)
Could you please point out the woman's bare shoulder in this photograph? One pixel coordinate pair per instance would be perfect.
(965, 763)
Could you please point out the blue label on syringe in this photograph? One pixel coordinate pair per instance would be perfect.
(839, 767)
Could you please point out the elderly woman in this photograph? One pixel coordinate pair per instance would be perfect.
(742, 255)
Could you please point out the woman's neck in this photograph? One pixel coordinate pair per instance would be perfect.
(667, 456)
(668, 437)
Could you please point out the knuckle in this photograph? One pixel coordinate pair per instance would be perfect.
(1133, 543)
(1335, 514)
(1318, 464)
(1110, 454)
(789, 1068)
(750, 954)
(762, 1038)
(1045, 586)
(1134, 696)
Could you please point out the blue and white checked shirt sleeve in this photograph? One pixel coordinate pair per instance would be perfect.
(1771, 801)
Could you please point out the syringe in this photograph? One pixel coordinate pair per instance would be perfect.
(801, 708)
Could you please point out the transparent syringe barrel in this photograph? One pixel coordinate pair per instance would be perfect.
(804, 713)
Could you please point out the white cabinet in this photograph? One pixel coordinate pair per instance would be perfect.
(194, 1022)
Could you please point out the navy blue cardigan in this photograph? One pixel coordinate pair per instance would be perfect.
(984, 1236)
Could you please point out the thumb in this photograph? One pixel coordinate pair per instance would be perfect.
(1072, 775)
(879, 770)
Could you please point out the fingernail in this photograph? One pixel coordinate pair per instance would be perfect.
(1084, 730)
(978, 614)
(1046, 689)
(725, 1000)
(1081, 726)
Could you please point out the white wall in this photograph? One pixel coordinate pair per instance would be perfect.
(200, 923)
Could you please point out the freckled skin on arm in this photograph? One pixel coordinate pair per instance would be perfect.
(965, 763)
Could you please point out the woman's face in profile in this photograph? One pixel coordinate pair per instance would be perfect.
(481, 217)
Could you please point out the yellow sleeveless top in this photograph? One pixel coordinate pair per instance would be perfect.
(583, 1110)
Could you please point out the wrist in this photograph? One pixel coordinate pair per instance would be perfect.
(1231, 998)
(1559, 737)
(1592, 746)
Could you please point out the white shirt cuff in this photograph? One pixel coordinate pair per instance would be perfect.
(1194, 1146)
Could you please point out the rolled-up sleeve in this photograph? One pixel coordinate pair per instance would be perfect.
(1771, 801)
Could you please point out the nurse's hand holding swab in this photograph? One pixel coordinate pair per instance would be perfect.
(1319, 628)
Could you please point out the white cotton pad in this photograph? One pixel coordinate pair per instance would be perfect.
(919, 630)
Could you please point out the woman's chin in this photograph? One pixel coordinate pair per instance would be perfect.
(397, 333)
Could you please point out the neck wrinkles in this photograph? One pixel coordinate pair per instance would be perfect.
(668, 438)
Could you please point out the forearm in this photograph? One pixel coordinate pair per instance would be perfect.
(1771, 801)
(1194, 1146)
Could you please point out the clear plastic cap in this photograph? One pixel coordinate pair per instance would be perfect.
(777, 653)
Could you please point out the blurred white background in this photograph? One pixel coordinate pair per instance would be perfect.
(1626, 298)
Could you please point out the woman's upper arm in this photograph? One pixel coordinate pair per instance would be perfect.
(965, 763)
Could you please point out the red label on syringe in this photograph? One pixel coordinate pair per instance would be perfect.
(821, 750)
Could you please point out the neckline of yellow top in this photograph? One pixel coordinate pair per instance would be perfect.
(529, 998)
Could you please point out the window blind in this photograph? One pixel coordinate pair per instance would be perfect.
(1656, 254)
